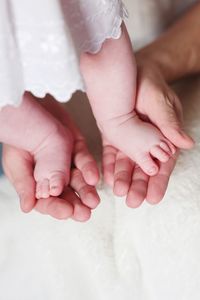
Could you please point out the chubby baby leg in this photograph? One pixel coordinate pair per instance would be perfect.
(30, 127)
(110, 78)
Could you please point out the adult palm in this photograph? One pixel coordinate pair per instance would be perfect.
(156, 103)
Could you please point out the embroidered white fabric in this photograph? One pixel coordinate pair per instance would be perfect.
(40, 44)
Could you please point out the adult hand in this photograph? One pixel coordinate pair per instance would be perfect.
(158, 104)
(78, 199)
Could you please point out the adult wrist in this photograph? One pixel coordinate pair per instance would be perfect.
(176, 53)
(146, 62)
(160, 60)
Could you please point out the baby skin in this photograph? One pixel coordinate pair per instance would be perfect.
(30, 127)
(110, 78)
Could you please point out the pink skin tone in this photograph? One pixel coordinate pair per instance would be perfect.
(33, 129)
(51, 144)
(118, 169)
(112, 98)
(79, 198)
(159, 104)
(76, 202)
(128, 180)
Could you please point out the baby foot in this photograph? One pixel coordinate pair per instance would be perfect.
(31, 128)
(139, 140)
(52, 163)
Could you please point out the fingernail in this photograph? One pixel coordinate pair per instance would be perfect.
(22, 202)
(187, 137)
(91, 178)
(92, 201)
(25, 207)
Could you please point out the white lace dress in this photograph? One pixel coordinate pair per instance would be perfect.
(40, 43)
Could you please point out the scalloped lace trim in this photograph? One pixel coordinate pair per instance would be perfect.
(65, 93)
(47, 65)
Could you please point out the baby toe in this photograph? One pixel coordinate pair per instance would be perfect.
(57, 183)
(168, 147)
(42, 189)
(147, 164)
(163, 145)
(158, 153)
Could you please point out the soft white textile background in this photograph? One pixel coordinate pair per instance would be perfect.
(151, 253)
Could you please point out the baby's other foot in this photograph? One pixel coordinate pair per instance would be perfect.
(141, 141)
(52, 163)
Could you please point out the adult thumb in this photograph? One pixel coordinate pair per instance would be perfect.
(18, 167)
(168, 117)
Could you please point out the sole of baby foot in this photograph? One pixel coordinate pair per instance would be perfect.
(52, 164)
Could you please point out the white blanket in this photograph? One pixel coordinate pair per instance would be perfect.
(150, 253)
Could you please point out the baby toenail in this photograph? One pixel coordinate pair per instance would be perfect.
(152, 170)
(53, 187)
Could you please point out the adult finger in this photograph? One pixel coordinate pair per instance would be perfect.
(18, 167)
(138, 189)
(108, 163)
(81, 212)
(157, 185)
(85, 162)
(87, 193)
(122, 174)
(166, 114)
(58, 208)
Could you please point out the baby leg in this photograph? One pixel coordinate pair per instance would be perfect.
(110, 78)
(32, 128)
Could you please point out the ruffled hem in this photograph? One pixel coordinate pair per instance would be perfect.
(93, 46)
(41, 92)
(42, 74)
(58, 94)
